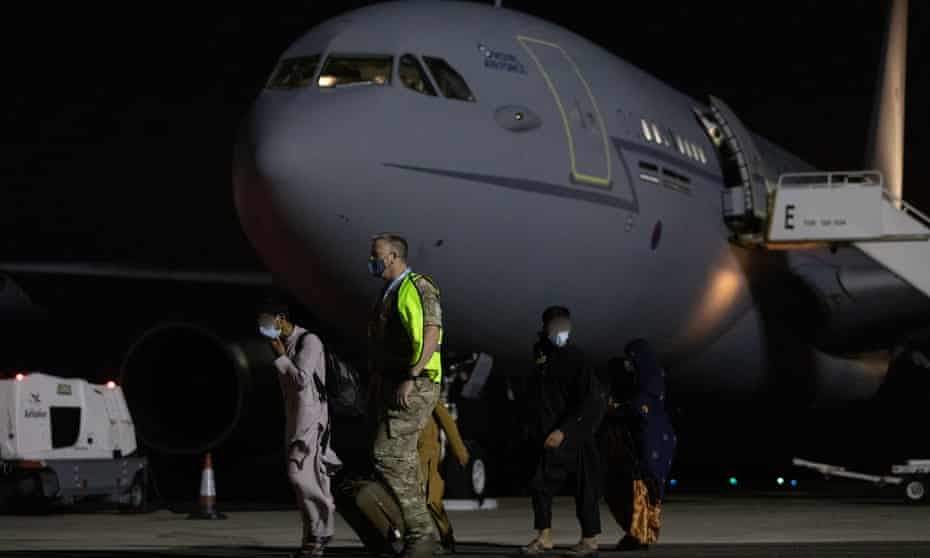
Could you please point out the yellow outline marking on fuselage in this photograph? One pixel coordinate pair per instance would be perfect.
(600, 181)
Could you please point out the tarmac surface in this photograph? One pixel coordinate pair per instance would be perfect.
(728, 526)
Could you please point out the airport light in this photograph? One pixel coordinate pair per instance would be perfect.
(794, 483)
(780, 481)
(673, 482)
(111, 385)
(20, 377)
(733, 481)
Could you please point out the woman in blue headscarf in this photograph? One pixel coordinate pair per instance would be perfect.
(640, 444)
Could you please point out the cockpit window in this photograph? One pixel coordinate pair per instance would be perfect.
(341, 71)
(294, 72)
(449, 81)
(413, 76)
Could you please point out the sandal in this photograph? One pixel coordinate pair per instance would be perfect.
(535, 547)
(582, 550)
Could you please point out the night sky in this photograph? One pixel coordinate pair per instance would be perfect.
(118, 124)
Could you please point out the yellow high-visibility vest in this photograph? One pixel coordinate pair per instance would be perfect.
(410, 310)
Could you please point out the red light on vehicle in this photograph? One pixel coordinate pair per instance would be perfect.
(20, 377)
(111, 385)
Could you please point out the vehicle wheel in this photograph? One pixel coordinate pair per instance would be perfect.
(135, 499)
(478, 475)
(468, 482)
(476, 472)
(915, 490)
(31, 492)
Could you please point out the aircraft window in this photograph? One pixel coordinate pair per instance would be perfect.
(700, 151)
(646, 132)
(690, 149)
(449, 81)
(655, 132)
(341, 71)
(413, 76)
(294, 72)
(681, 146)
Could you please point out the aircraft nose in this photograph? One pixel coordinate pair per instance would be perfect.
(271, 163)
(283, 177)
(272, 150)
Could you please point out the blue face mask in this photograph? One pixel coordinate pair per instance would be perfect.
(269, 331)
(376, 267)
(560, 338)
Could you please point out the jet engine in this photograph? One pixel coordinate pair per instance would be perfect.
(189, 391)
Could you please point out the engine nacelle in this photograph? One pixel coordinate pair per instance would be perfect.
(863, 308)
(189, 390)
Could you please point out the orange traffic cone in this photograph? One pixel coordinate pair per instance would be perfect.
(207, 493)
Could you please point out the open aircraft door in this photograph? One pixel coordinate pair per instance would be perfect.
(745, 197)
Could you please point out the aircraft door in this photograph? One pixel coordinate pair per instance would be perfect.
(588, 150)
(745, 175)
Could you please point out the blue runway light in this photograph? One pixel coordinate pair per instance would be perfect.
(780, 481)
(794, 483)
(673, 482)
(733, 481)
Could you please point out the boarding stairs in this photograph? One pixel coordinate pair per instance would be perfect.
(854, 207)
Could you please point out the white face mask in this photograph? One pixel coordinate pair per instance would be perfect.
(560, 338)
(269, 331)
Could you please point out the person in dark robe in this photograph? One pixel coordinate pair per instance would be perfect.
(565, 424)
(640, 445)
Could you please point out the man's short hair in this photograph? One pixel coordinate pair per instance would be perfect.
(397, 242)
(272, 304)
(554, 312)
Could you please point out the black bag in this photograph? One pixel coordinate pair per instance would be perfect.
(344, 391)
(373, 513)
(347, 395)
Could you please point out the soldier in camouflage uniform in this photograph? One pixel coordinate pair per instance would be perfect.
(405, 333)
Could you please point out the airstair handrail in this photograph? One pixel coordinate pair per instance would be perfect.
(835, 179)
(907, 208)
(840, 179)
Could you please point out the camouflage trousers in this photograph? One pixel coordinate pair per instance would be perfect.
(396, 458)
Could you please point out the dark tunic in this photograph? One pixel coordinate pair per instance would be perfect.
(564, 388)
(566, 400)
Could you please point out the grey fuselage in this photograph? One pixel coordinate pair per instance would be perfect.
(498, 214)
